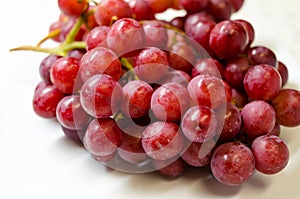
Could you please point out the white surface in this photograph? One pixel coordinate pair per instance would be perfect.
(38, 162)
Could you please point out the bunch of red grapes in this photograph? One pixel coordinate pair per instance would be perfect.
(143, 94)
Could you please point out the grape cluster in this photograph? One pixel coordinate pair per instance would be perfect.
(143, 94)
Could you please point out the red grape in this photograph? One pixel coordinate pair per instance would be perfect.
(70, 114)
(100, 60)
(258, 118)
(63, 74)
(97, 37)
(287, 107)
(207, 91)
(45, 67)
(232, 163)
(271, 154)
(101, 96)
(136, 99)
(73, 8)
(199, 124)
(262, 82)
(151, 65)
(102, 137)
(107, 9)
(169, 102)
(45, 100)
(262, 55)
(228, 39)
(162, 140)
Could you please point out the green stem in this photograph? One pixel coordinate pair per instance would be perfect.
(60, 50)
(74, 31)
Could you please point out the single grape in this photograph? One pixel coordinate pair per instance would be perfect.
(262, 82)
(198, 27)
(206, 90)
(45, 67)
(235, 72)
(262, 55)
(73, 8)
(158, 6)
(232, 163)
(228, 39)
(126, 37)
(169, 102)
(249, 29)
(45, 100)
(199, 154)
(103, 137)
(141, 10)
(232, 122)
(283, 71)
(70, 113)
(220, 9)
(101, 96)
(192, 6)
(271, 154)
(162, 140)
(100, 60)
(258, 118)
(97, 36)
(287, 107)
(106, 10)
(181, 57)
(63, 74)
(199, 124)
(136, 98)
(151, 65)
(155, 34)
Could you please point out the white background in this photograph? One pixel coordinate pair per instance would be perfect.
(37, 161)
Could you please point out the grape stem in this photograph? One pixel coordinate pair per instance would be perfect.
(63, 48)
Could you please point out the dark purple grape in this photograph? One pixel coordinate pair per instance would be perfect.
(45, 67)
(235, 72)
(192, 6)
(220, 9)
(262, 55)
(283, 71)
(287, 107)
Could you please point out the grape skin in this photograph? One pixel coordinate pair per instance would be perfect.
(271, 154)
(232, 163)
